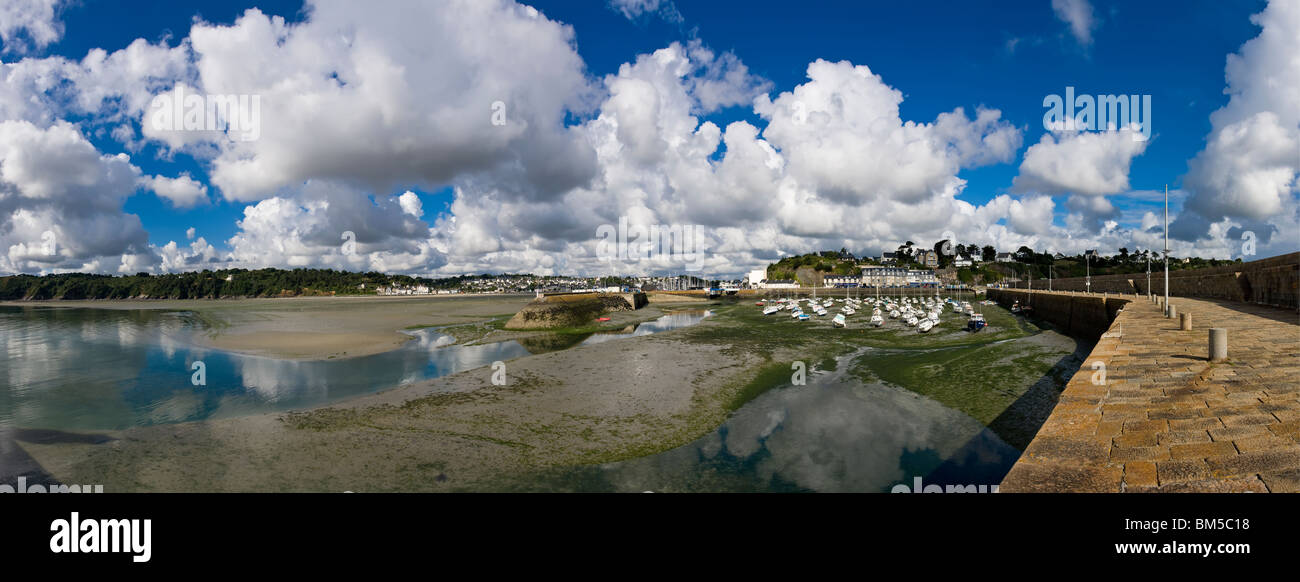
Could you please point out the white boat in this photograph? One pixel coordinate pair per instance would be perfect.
(771, 309)
(911, 320)
(839, 320)
(877, 320)
(924, 325)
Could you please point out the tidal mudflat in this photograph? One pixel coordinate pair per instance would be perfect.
(573, 405)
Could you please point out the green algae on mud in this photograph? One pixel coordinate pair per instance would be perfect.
(1006, 376)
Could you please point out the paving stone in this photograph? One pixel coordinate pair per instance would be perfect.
(1195, 424)
(1283, 481)
(1183, 470)
(1138, 439)
(1031, 477)
(1250, 484)
(1256, 462)
(1140, 474)
(1201, 450)
(1247, 419)
(1238, 432)
(1263, 443)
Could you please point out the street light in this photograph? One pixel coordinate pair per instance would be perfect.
(1087, 263)
(1166, 250)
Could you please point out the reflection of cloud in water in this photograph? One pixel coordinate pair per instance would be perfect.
(179, 406)
(83, 369)
(666, 322)
(269, 378)
(843, 440)
(834, 434)
(433, 340)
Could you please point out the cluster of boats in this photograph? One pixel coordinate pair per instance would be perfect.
(918, 312)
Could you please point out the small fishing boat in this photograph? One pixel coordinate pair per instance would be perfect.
(976, 322)
(925, 325)
(804, 316)
(839, 320)
(877, 320)
(771, 309)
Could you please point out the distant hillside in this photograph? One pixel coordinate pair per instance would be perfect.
(827, 263)
(211, 284)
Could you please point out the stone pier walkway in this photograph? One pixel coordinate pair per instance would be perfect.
(1164, 418)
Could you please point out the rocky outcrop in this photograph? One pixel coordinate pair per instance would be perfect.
(561, 311)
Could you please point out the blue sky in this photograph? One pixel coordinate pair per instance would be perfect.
(982, 54)
(959, 56)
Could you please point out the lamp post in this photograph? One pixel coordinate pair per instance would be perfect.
(1166, 249)
(1087, 266)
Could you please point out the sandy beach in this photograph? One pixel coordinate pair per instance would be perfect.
(311, 328)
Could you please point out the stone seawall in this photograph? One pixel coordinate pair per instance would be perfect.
(1274, 281)
(1149, 411)
(1086, 316)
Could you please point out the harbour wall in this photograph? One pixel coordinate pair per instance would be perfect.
(635, 300)
(1085, 316)
(1274, 281)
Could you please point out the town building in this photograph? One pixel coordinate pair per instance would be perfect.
(883, 276)
(921, 277)
(928, 258)
(841, 281)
